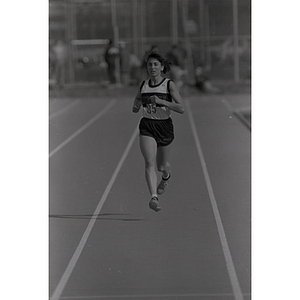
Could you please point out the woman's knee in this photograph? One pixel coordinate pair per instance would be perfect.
(163, 167)
(149, 164)
(160, 168)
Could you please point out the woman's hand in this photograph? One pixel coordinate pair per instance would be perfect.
(154, 100)
(177, 103)
(136, 105)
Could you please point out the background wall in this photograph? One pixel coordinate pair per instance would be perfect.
(213, 33)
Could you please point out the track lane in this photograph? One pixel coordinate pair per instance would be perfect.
(125, 231)
(226, 147)
(138, 252)
(64, 109)
(79, 174)
(83, 127)
(67, 123)
(67, 273)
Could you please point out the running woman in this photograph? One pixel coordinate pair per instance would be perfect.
(157, 96)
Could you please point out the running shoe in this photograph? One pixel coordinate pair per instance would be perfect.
(153, 204)
(163, 185)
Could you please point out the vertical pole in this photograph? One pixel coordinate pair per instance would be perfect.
(207, 38)
(74, 53)
(135, 26)
(190, 63)
(116, 36)
(68, 38)
(174, 22)
(114, 21)
(236, 42)
(202, 30)
(70, 32)
(143, 26)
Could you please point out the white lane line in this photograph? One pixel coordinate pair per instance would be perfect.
(236, 112)
(228, 258)
(63, 110)
(174, 296)
(65, 277)
(85, 126)
(226, 103)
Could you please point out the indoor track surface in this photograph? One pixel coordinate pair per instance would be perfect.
(105, 242)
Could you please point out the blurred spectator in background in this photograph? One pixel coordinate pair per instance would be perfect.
(203, 83)
(112, 55)
(175, 56)
(51, 64)
(124, 63)
(59, 54)
(134, 69)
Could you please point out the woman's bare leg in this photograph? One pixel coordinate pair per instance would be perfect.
(163, 166)
(162, 157)
(149, 150)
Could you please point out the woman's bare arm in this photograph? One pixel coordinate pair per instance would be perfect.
(177, 104)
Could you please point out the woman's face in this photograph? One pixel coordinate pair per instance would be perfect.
(154, 67)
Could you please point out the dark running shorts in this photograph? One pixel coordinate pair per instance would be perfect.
(161, 130)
